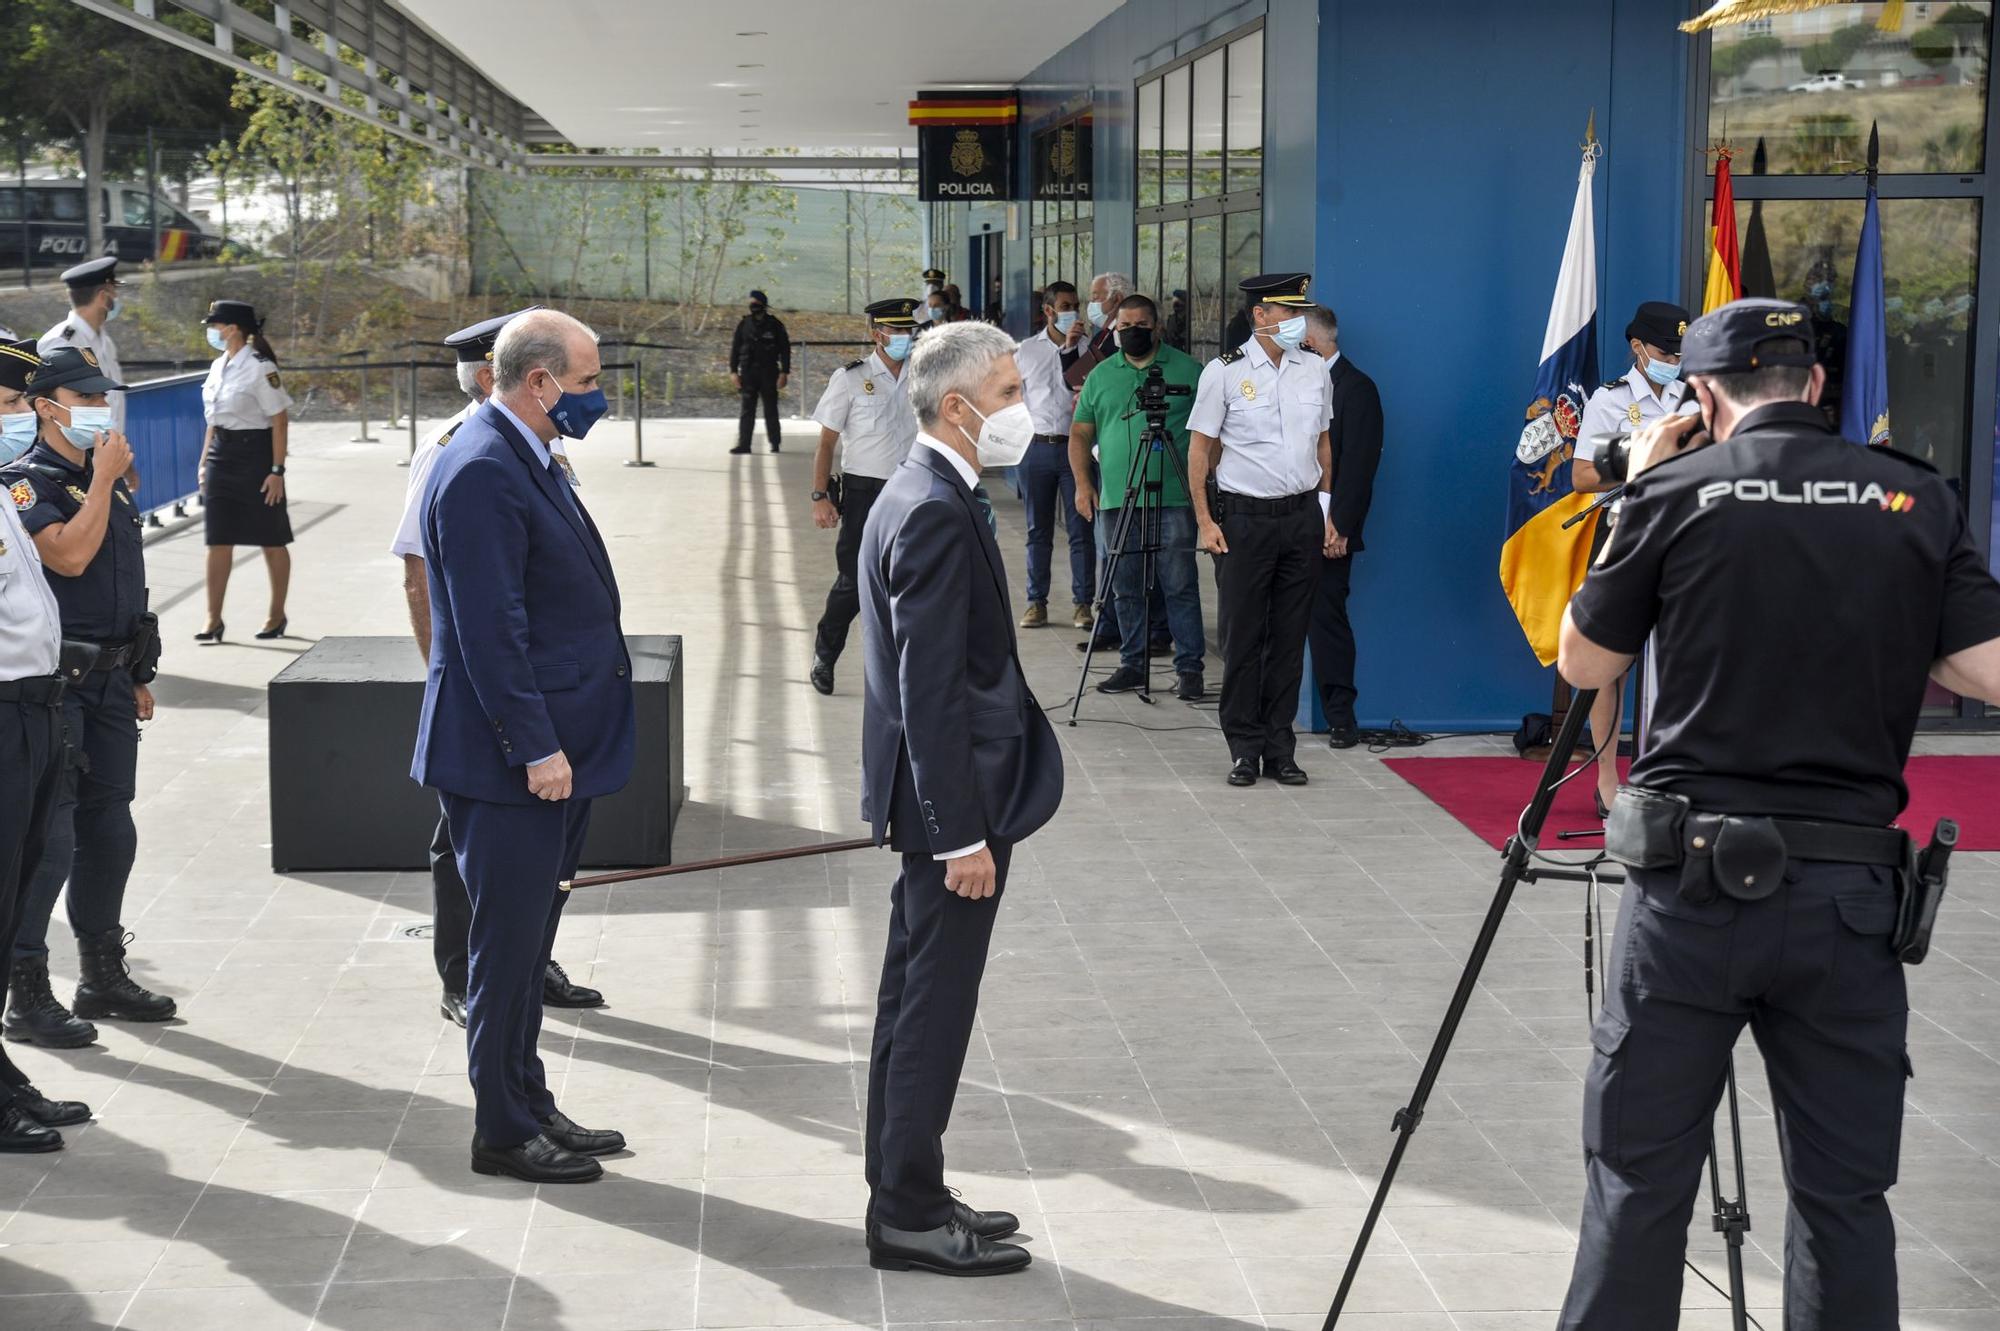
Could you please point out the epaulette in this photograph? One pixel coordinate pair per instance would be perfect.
(445, 438)
(1900, 456)
(855, 364)
(1611, 383)
(1230, 357)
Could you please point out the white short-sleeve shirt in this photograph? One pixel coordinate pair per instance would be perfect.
(866, 406)
(243, 391)
(410, 532)
(1269, 416)
(30, 622)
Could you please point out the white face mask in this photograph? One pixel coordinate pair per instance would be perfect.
(1004, 436)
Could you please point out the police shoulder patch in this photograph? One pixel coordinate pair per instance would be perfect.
(855, 364)
(1230, 357)
(1612, 383)
(23, 495)
(272, 379)
(445, 438)
(1900, 456)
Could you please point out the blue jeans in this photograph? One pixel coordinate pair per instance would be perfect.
(1176, 584)
(1048, 492)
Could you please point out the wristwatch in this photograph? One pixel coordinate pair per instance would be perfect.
(278, 470)
(818, 495)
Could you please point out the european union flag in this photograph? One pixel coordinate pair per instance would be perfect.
(1864, 392)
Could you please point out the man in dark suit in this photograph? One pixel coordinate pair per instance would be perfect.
(958, 765)
(527, 717)
(1357, 448)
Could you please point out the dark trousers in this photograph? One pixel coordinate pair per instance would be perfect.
(511, 856)
(923, 1020)
(91, 839)
(759, 386)
(1266, 594)
(451, 910)
(1809, 969)
(843, 600)
(1048, 495)
(1332, 638)
(30, 775)
(1174, 595)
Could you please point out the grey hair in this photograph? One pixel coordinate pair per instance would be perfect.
(468, 377)
(955, 358)
(1319, 319)
(1117, 286)
(537, 340)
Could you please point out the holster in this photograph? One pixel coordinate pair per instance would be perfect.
(836, 494)
(146, 649)
(1920, 890)
(1738, 856)
(76, 659)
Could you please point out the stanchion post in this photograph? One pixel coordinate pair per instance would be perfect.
(805, 360)
(413, 410)
(363, 437)
(395, 403)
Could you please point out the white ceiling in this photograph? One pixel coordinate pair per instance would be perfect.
(676, 74)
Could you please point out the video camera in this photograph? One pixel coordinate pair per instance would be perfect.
(1153, 395)
(1611, 454)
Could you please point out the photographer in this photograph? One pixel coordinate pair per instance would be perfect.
(1110, 413)
(1798, 590)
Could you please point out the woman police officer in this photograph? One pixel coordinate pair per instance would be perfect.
(243, 460)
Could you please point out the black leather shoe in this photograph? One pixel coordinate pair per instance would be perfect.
(536, 1160)
(949, 1250)
(22, 1135)
(35, 1016)
(1286, 773)
(106, 989)
(775, 448)
(1244, 773)
(1342, 737)
(452, 1008)
(1122, 680)
(1103, 642)
(740, 451)
(821, 676)
(986, 1224)
(557, 991)
(563, 1131)
(1191, 688)
(50, 1113)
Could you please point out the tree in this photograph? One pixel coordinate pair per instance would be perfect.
(1733, 59)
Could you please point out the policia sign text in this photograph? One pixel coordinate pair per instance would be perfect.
(965, 146)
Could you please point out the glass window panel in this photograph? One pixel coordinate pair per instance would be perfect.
(1930, 260)
(1173, 271)
(1202, 335)
(1149, 144)
(1807, 86)
(1243, 256)
(1246, 113)
(1147, 273)
(1174, 137)
(10, 204)
(1207, 158)
(1083, 272)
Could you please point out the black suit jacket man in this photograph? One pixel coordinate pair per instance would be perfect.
(955, 752)
(1357, 448)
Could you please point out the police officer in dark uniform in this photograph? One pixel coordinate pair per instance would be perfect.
(1799, 592)
(760, 364)
(70, 494)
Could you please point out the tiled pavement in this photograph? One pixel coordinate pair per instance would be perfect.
(1203, 1007)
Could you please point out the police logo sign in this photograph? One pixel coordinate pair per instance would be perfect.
(967, 157)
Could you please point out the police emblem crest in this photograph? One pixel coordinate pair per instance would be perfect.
(1250, 390)
(272, 378)
(1632, 413)
(968, 158)
(89, 356)
(23, 495)
(76, 492)
(1062, 154)
(868, 385)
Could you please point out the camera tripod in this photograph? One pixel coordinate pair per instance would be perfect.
(1730, 1215)
(1145, 491)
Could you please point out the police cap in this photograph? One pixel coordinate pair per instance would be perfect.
(894, 312)
(74, 368)
(17, 361)
(1660, 323)
(934, 275)
(759, 298)
(94, 273)
(476, 343)
(1277, 288)
(1734, 339)
(236, 313)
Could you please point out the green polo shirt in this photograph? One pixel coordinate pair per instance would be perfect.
(1109, 402)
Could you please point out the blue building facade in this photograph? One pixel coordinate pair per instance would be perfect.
(1422, 165)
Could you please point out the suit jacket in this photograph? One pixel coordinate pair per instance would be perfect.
(954, 747)
(1357, 448)
(527, 655)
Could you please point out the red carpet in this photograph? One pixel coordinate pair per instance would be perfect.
(1488, 794)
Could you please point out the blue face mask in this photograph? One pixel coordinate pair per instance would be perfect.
(1661, 373)
(85, 424)
(116, 306)
(1096, 314)
(574, 413)
(899, 346)
(216, 339)
(17, 435)
(1291, 333)
(1065, 321)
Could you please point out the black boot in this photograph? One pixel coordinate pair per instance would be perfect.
(107, 990)
(33, 1014)
(20, 1134)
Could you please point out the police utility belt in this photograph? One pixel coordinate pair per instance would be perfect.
(1744, 857)
(1227, 503)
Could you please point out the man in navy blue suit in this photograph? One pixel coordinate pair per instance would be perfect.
(958, 765)
(527, 716)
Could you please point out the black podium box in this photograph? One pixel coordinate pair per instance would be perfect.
(343, 727)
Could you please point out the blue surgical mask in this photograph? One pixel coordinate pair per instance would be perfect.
(1095, 314)
(1065, 320)
(117, 305)
(216, 339)
(899, 346)
(1290, 333)
(17, 435)
(1663, 373)
(574, 413)
(85, 424)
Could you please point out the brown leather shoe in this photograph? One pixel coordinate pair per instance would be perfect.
(1036, 616)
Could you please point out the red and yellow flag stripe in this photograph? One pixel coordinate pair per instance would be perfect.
(965, 110)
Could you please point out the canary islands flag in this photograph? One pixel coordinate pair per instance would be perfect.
(1541, 564)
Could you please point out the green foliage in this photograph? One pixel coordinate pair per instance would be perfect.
(1831, 54)
(1730, 60)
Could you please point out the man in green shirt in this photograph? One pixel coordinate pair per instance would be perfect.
(1108, 416)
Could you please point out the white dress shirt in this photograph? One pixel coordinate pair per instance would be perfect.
(1627, 404)
(1050, 401)
(30, 622)
(1269, 416)
(971, 478)
(410, 532)
(76, 331)
(866, 406)
(242, 391)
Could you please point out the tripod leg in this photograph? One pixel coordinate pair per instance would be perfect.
(1412, 1114)
(1115, 553)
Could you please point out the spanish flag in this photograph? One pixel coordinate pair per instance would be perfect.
(1725, 260)
(1541, 563)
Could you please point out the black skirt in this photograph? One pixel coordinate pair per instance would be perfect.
(233, 506)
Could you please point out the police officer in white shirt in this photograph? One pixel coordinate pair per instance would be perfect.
(93, 298)
(30, 740)
(1258, 436)
(1048, 489)
(865, 411)
(243, 461)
